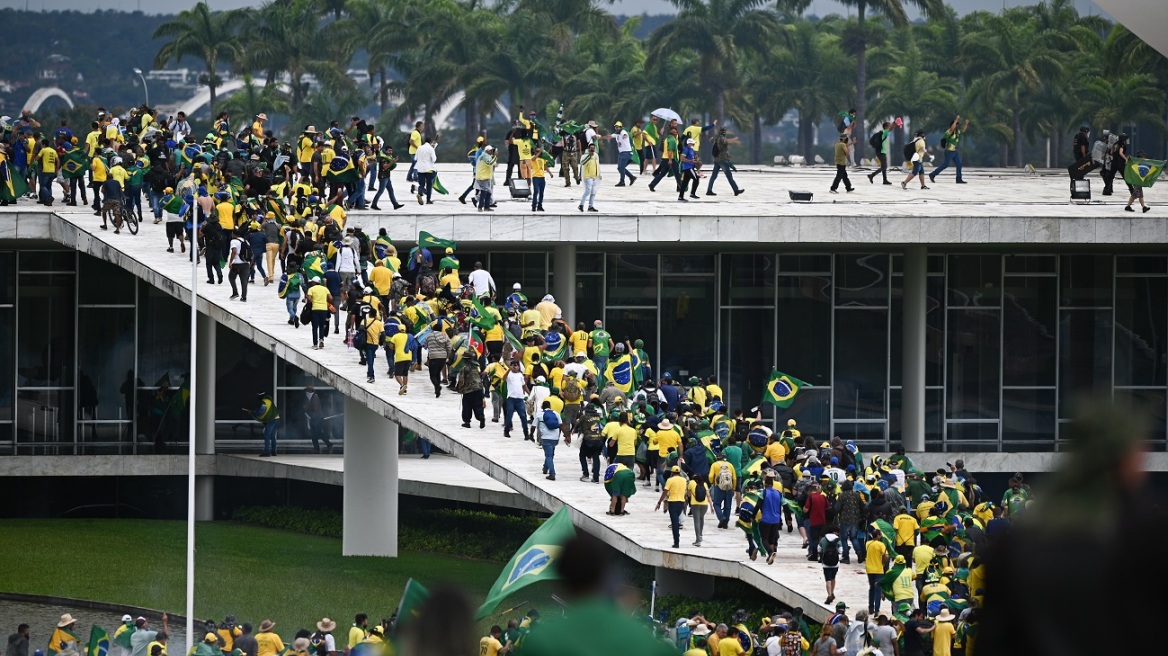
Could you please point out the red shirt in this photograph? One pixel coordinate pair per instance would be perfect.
(816, 508)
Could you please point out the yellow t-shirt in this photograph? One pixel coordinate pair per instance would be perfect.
(150, 647)
(356, 635)
(874, 560)
(382, 278)
(943, 633)
(625, 436)
(556, 402)
(693, 501)
(373, 331)
(922, 556)
(48, 159)
(906, 529)
(775, 452)
(91, 142)
(729, 646)
(489, 646)
(675, 488)
(318, 297)
(902, 586)
(538, 167)
(694, 132)
(591, 167)
(228, 637)
(452, 280)
(226, 212)
(400, 354)
(415, 141)
(524, 147)
(530, 320)
(638, 136)
(304, 152)
(666, 439)
(98, 169)
(578, 342)
(495, 333)
(269, 644)
(119, 175)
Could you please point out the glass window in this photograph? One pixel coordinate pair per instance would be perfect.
(861, 279)
(804, 313)
(748, 279)
(934, 416)
(974, 355)
(589, 262)
(811, 409)
(1028, 419)
(975, 280)
(45, 336)
(1084, 356)
(243, 371)
(293, 406)
(6, 446)
(7, 277)
(1151, 403)
(105, 363)
(164, 336)
(747, 354)
(632, 279)
(805, 264)
(634, 324)
(7, 361)
(163, 416)
(934, 330)
(589, 299)
(1141, 321)
(1141, 264)
(1030, 264)
(688, 316)
(868, 437)
(38, 261)
(102, 283)
(527, 269)
(1085, 281)
(44, 422)
(861, 359)
(1028, 338)
(977, 436)
(289, 375)
(688, 263)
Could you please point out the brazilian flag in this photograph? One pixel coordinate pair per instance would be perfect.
(1142, 172)
(427, 240)
(555, 347)
(533, 562)
(382, 246)
(188, 155)
(781, 389)
(479, 316)
(413, 596)
(887, 534)
(313, 265)
(99, 642)
(173, 204)
(12, 184)
(341, 169)
(123, 633)
(619, 373)
(74, 164)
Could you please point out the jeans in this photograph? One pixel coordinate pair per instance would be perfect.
(155, 202)
(699, 521)
(813, 534)
(676, 509)
(622, 166)
(601, 362)
(663, 169)
(412, 174)
(594, 456)
(134, 194)
(370, 354)
(722, 166)
(320, 326)
(240, 271)
(74, 185)
(257, 266)
(383, 185)
(270, 437)
(537, 187)
(292, 302)
(589, 197)
(45, 188)
(426, 184)
(874, 593)
(496, 405)
(316, 432)
(549, 453)
(426, 446)
(357, 196)
(511, 406)
(372, 178)
(851, 535)
(723, 500)
(951, 156)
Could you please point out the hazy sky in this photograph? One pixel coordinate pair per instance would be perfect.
(818, 7)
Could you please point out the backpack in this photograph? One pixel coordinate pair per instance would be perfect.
(591, 427)
(700, 491)
(876, 140)
(944, 141)
(717, 148)
(910, 149)
(572, 392)
(792, 644)
(725, 480)
(551, 419)
(570, 143)
(841, 124)
(427, 285)
(412, 345)
(830, 557)
(361, 336)
(741, 430)
(245, 252)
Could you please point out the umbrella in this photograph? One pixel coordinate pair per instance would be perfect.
(666, 114)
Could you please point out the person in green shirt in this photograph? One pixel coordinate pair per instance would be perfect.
(882, 153)
(601, 343)
(949, 143)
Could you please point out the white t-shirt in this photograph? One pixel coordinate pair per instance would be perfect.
(773, 648)
(589, 138)
(330, 644)
(347, 260)
(623, 143)
(577, 367)
(237, 249)
(515, 382)
(482, 281)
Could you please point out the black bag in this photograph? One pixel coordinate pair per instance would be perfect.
(1081, 168)
(700, 492)
(830, 557)
(944, 142)
(306, 313)
(361, 337)
(910, 149)
(876, 140)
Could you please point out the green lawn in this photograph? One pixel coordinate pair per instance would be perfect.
(253, 573)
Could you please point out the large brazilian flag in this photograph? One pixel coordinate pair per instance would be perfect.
(1142, 172)
(619, 373)
(781, 389)
(533, 562)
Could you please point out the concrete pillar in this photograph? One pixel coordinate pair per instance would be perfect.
(680, 582)
(564, 281)
(912, 423)
(204, 409)
(370, 493)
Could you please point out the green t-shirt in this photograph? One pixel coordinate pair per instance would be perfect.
(622, 634)
(600, 342)
(734, 457)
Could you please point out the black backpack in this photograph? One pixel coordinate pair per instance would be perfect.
(830, 557)
(700, 491)
(910, 149)
(876, 140)
(245, 252)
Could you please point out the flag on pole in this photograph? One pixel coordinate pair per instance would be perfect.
(413, 596)
(781, 389)
(427, 240)
(479, 315)
(99, 642)
(1142, 172)
(533, 562)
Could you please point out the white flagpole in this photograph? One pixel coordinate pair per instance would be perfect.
(191, 430)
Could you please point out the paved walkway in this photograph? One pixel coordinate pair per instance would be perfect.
(642, 535)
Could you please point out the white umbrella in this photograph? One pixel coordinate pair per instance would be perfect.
(666, 114)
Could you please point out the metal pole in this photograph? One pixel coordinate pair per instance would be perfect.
(191, 436)
(145, 87)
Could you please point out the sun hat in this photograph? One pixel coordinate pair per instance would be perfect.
(66, 620)
(665, 424)
(945, 615)
(701, 630)
(266, 625)
(326, 625)
(262, 116)
(300, 644)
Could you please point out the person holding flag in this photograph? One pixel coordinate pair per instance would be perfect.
(63, 639)
(1138, 172)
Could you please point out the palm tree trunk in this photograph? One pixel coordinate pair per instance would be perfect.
(756, 141)
(861, 82)
(719, 102)
(383, 92)
(806, 125)
(211, 66)
(1017, 137)
(471, 109)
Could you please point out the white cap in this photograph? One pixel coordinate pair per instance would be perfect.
(540, 379)
(489, 147)
(689, 142)
(315, 279)
(548, 298)
(516, 286)
(580, 354)
(127, 618)
(368, 290)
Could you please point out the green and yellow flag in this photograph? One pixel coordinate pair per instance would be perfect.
(479, 316)
(533, 562)
(123, 633)
(74, 164)
(427, 240)
(1142, 172)
(60, 640)
(781, 389)
(99, 642)
(619, 373)
(413, 596)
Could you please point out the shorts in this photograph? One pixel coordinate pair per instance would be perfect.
(918, 168)
(627, 461)
(174, 229)
(525, 168)
(652, 458)
(649, 152)
(829, 573)
(402, 368)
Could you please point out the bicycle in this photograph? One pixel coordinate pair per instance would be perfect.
(126, 214)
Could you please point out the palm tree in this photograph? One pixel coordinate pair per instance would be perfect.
(906, 89)
(717, 30)
(858, 38)
(252, 98)
(209, 36)
(1125, 101)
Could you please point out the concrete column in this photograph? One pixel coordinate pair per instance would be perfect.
(564, 281)
(680, 582)
(912, 432)
(204, 409)
(370, 494)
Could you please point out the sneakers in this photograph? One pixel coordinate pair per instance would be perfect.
(593, 209)
(710, 193)
(421, 201)
(1128, 208)
(739, 192)
(904, 185)
(580, 207)
(832, 191)
(771, 559)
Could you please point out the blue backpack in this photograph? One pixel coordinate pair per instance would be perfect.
(412, 345)
(551, 419)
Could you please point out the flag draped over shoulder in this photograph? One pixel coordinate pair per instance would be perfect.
(61, 640)
(619, 373)
(341, 169)
(781, 389)
(887, 534)
(99, 642)
(427, 240)
(12, 185)
(533, 562)
(413, 596)
(123, 633)
(1142, 172)
(555, 348)
(74, 164)
(479, 316)
(887, 580)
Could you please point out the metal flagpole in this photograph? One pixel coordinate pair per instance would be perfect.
(191, 430)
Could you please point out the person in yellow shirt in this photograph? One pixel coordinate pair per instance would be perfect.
(698, 496)
(538, 178)
(402, 359)
(943, 633)
(906, 533)
(523, 144)
(373, 328)
(226, 211)
(414, 144)
(319, 299)
(269, 643)
(381, 278)
(357, 632)
(694, 131)
(530, 320)
(450, 282)
(47, 158)
(578, 340)
(590, 168)
(624, 438)
(257, 127)
(875, 562)
(673, 494)
(490, 646)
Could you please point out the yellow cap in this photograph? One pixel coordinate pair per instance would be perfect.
(210, 637)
